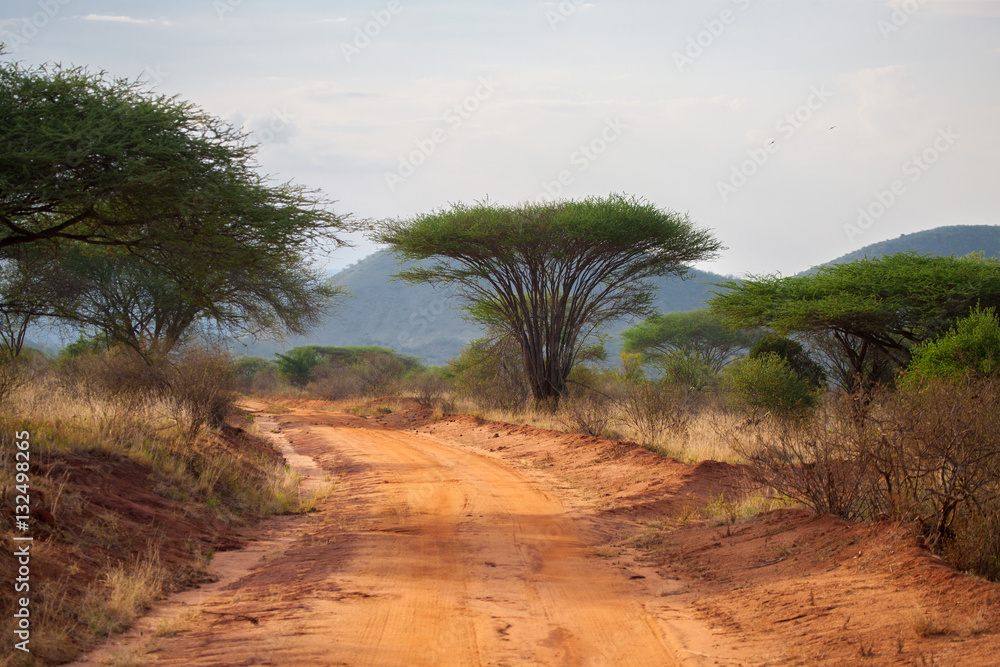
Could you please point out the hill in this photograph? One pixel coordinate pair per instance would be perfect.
(426, 322)
(951, 240)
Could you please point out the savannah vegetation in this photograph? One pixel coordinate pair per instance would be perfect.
(866, 389)
(141, 223)
(549, 276)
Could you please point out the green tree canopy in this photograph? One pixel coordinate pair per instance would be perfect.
(870, 308)
(89, 158)
(794, 354)
(160, 190)
(550, 274)
(297, 364)
(972, 346)
(697, 333)
(151, 311)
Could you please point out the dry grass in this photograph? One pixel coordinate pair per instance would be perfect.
(130, 655)
(173, 626)
(76, 426)
(125, 592)
(742, 505)
(706, 436)
(314, 498)
(931, 624)
(65, 422)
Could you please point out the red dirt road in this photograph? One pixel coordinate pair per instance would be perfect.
(429, 554)
(460, 541)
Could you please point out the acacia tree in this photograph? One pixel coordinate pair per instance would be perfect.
(91, 161)
(874, 310)
(151, 311)
(550, 274)
(699, 334)
(30, 285)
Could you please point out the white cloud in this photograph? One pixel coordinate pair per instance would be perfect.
(977, 8)
(120, 19)
(879, 96)
(980, 8)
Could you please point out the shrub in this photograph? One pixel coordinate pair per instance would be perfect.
(688, 370)
(928, 454)
(817, 462)
(428, 387)
(936, 447)
(334, 382)
(653, 409)
(972, 346)
(246, 370)
(589, 412)
(769, 384)
(490, 372)
(379, 373)
(83, 346)
(12, 377)
(119, 375)
(297, 364)
(203, 387)
(794, 354)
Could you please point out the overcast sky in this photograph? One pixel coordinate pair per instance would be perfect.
(775, 123)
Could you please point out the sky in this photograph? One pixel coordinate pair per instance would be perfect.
(796, 130)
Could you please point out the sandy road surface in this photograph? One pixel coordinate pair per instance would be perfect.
(427, 555)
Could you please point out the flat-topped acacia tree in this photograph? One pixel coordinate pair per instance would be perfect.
(550, 274)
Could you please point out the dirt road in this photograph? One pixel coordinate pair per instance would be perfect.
(427, 554)
(459, 541)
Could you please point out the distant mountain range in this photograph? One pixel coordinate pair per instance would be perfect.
(427, 322)
(952, 240)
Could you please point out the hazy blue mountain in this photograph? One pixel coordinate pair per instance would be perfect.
(426, 322)
(952, 240)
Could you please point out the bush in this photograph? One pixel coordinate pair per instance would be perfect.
(203, 387)
(379, 374)
(928, 455)
(972, 346)
(685, 369)
(246, 370)
(653, 409)
(84, 346)
(817, 462)
(769, 384)
(13, 375)
(119, 375)
(334, 381)
(196, 384)
(297, 364)
(794, 354)
(936, 448)
(589, 412)
(428, 387)
(490, 372)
